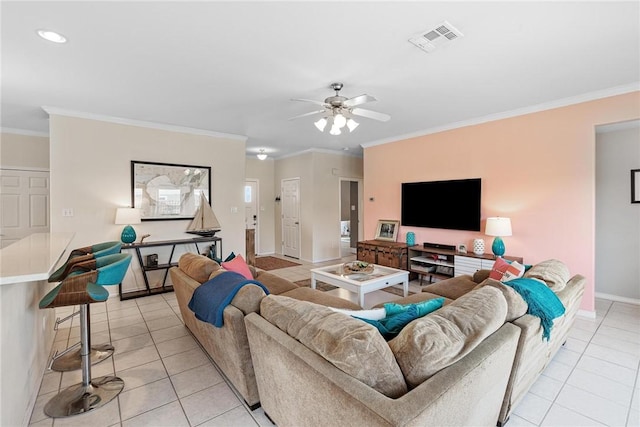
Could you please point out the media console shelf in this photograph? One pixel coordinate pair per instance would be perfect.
(441, 264)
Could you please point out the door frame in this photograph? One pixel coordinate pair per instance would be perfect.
(257, 198)
(360, 182)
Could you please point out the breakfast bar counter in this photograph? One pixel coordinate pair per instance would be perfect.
(26, 332)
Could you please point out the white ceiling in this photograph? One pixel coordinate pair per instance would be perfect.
(233, 67)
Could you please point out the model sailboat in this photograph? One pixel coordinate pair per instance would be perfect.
(204, 222)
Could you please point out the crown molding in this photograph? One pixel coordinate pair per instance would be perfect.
(24, 132)
(141, 123)
(564, 102)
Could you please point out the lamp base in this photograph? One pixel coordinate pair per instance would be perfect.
(128, 235)
(498, 247)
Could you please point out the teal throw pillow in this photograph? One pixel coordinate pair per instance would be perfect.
(398, 316)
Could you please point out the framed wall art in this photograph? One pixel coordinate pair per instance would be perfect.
(387, 230)
(635, 186)
(166, 191)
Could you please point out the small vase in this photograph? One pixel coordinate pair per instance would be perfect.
(478, 246)
(411, 238)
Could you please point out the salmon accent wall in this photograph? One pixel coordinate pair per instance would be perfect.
(538, 169)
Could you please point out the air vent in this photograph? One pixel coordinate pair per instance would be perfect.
(430, 39)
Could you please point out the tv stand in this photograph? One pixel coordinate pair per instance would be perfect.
(440, 264)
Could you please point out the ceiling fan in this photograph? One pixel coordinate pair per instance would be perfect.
(339, 111)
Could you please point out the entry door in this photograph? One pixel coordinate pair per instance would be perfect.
(291, 217)
(24, 204)
(251, 219)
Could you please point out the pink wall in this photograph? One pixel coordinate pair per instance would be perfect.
(538, 169)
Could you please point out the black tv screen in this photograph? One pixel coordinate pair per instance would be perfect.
(452, 205)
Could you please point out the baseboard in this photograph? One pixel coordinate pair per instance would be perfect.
(587, 314)
(618, 298)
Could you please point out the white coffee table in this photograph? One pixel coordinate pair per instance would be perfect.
(382, 277)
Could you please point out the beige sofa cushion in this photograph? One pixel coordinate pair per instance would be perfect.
(516, 305)
(275, 284)
(353, 346)
(427, 345)
(198, 267)
(553, 272)
(452, 288)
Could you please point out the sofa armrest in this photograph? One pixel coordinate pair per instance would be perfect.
(298, 387)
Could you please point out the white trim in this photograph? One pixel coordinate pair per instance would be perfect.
(587, 314)
(23, 168)
(320, 150)
(618, 90)
(141, 123)
(614, 127)
(24, 132)
(618, 298)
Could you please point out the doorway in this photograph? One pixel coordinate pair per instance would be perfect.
(24, 204)
(350, 215)
(251, 215)
(291, 217)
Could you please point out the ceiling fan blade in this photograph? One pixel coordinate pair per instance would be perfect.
(306, 114)
(358, 100)
(311, 101)
(371, 114)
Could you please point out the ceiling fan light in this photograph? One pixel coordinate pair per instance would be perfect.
(352, 125)
(339, 120)
(335, 130)
(261, 155)
(320, 124)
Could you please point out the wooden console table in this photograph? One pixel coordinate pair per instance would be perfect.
(216, 242)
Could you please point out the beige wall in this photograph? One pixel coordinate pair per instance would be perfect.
(538, 169)
(263, 171)
(319, 174)
(617, 219)
(90, 173)
(24, 151)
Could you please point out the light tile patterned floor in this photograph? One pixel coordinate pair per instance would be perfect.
(170, 381)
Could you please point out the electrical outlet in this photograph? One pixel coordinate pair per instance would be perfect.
(234, 209)
(67, 212)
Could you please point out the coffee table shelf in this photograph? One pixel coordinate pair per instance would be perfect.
(361, 284)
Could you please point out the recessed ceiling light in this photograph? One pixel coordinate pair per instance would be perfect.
(52, 36)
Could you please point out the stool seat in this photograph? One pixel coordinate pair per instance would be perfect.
(83, 286)
(84, 254)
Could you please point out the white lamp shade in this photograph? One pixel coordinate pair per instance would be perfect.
(320, 124)
(126, 216)
(335, 130)
(352, 125)
(498, 226)
(339, 120)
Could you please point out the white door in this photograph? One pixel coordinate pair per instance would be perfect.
(291, 217)
(251, 220)
(24, 204)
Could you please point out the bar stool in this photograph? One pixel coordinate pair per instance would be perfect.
(82, 288)
(69, 359)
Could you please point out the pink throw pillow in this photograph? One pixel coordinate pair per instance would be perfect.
(498, 270)
(239, 265)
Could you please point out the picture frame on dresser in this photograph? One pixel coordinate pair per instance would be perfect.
(387, 230)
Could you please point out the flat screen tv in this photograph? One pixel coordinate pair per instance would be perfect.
(452, 204)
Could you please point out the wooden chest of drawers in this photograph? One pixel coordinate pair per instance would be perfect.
(389, 254)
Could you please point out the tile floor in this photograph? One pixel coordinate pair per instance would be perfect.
(169, 380)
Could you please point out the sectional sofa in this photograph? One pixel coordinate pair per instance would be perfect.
(498, 353)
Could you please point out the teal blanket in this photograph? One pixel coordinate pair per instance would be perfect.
(543, 302)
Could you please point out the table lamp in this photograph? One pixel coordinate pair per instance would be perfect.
(128, 216)
(498, 227)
